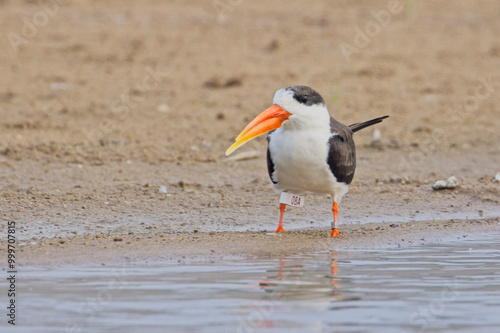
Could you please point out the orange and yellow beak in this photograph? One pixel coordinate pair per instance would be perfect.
(268, 120)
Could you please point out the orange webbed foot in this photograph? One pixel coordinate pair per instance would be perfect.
(280, 229)
(335, 232)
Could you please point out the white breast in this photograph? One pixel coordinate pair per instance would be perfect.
(300, 160)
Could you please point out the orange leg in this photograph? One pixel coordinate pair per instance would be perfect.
(335, 210)
(282, 211)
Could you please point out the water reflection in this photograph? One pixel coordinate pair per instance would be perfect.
(435, 288)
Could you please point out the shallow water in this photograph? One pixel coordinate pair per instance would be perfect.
(450, 287)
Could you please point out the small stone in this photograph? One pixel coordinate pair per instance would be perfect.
(376, 139)
(163, 189)
(450, 183)
(211, 233)
(117, 239)
(163, 108)
(497, 177)
(439, 185)
(55, 86)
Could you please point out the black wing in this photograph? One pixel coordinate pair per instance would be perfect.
(270, 163)
(342, 154)
(359, 126)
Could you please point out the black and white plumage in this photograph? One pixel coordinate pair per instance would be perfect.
(308, 150)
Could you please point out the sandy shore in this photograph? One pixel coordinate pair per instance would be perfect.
(207, 247)
(114, 121)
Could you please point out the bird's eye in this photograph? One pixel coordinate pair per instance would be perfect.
(303, 99)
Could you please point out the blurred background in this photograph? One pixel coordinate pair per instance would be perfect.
(94, 81)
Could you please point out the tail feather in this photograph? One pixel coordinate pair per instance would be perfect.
(359, 126)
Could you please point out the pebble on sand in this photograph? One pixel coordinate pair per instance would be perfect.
(450, 183)
(497, 177)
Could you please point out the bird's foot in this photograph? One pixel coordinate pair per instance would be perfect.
(335, 232)
(280, 229)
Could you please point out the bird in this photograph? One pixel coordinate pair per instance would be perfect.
(308, 150)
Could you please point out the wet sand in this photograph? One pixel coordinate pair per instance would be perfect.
(103, 106)
(206, 247)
